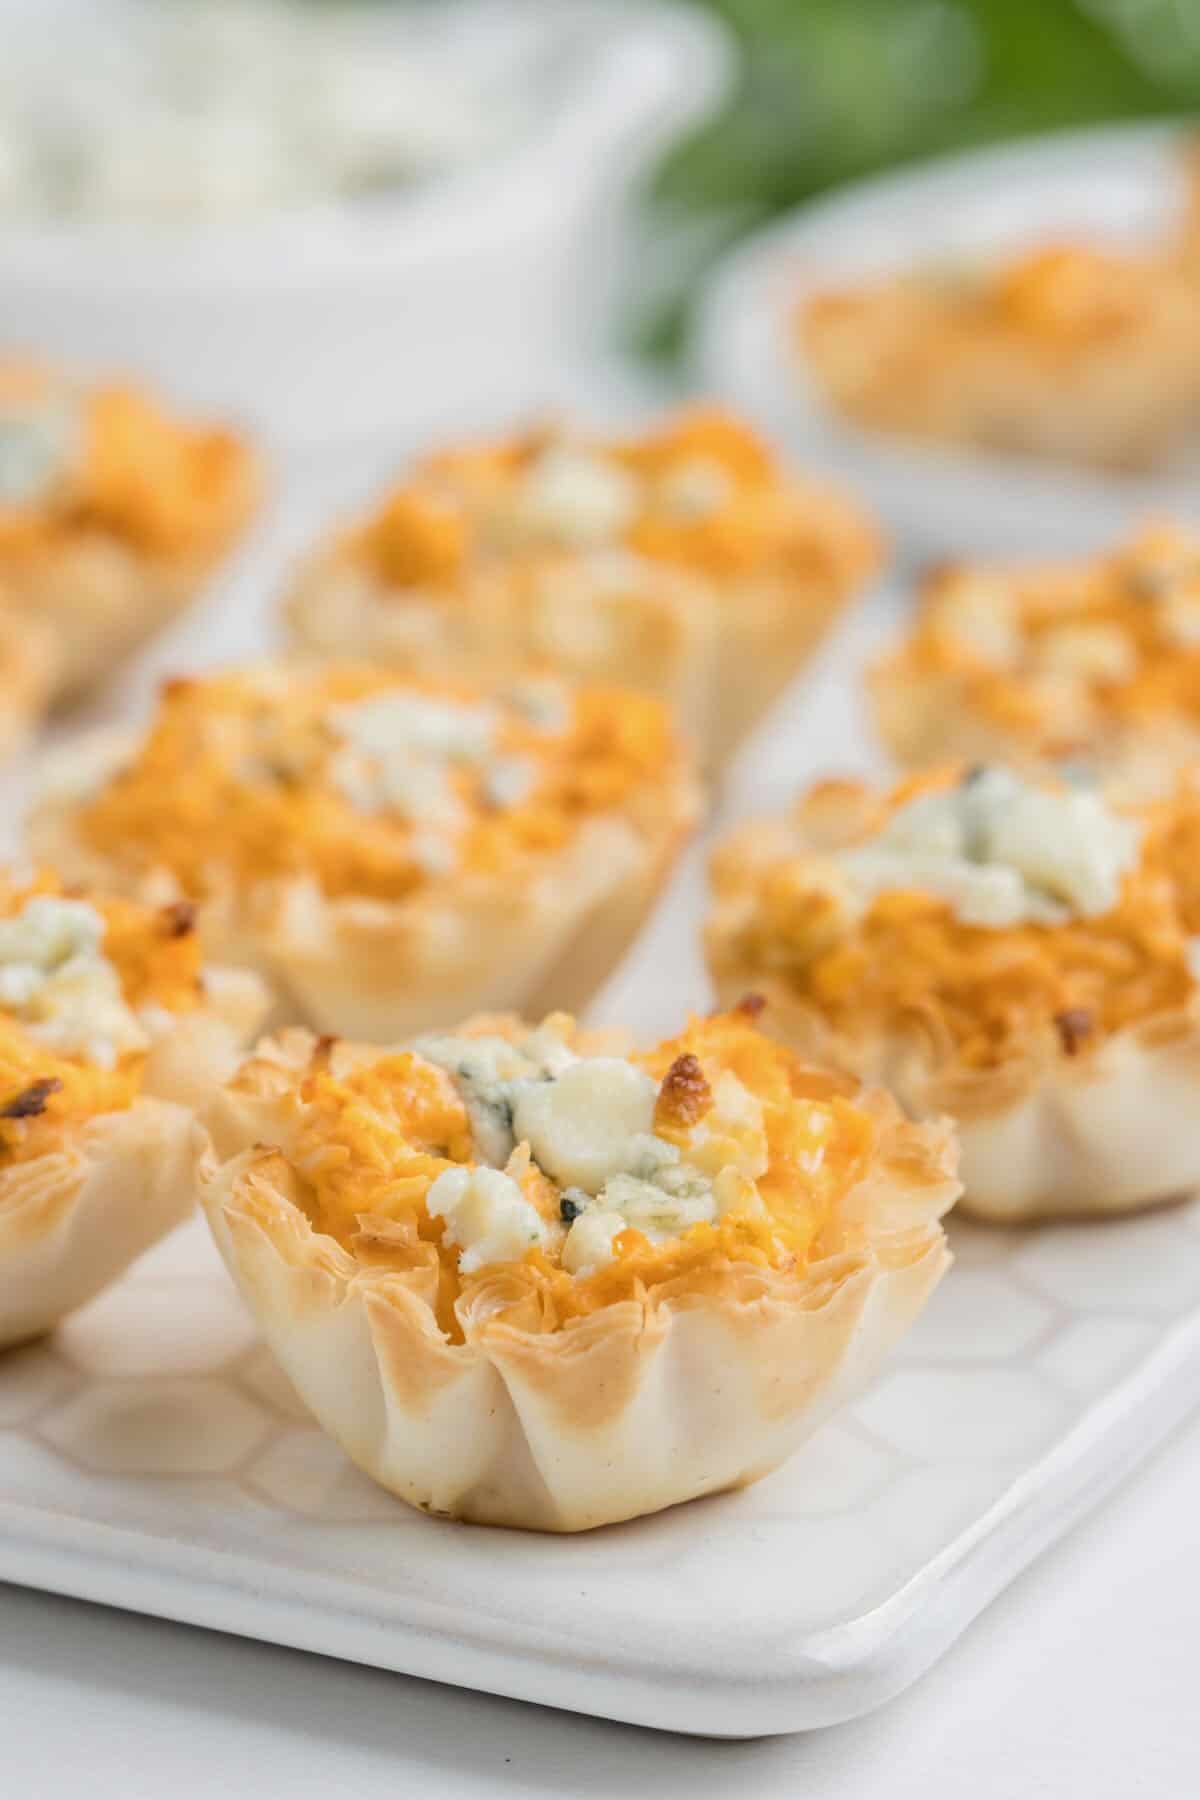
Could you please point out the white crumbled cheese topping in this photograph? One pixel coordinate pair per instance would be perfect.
(434, 855)
(594, 1121)
(984, 618)
(575, 498)
(398, 753)
(37, 446)
(394, 725)
(589, 1242)
(487, 1214)
(695, 487)
(541, 700)
(588, 1123)
(591, 1130)
(412, 787)
(55, 978)
(1096, 652)
(1002, 851)
(509, 780)
(488, 1072)
(663, 1208)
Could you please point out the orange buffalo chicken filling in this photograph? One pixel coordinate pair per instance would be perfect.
(167, 488)
(371, 1143)
(1123, 630)
(238, 778)
(156, 954)
(707, 496)
(981, 994)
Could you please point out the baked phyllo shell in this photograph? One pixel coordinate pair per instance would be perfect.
(112, 515)
(1065, 351)
(664, 562)
(516, 1393)
(435, 850)
(101, 1066)
(27, 664)
(1094, 661)
(1067, 1054)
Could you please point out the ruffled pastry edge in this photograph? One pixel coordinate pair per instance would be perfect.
(75, 1217)
(1047, 1134)
(693, 1388)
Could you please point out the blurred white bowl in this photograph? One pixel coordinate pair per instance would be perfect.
(1118, 184)
(460, 299)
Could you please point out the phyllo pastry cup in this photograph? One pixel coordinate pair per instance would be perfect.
(1066, 350)
(1095, 661)
(526, 1281)
(112, 1032)
(112, 514)
(1016, 955)
(27, 664)
(390, 851)
(686, 562)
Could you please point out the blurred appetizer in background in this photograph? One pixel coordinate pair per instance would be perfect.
(389, 850)
(687, 561)
(26, 676)
(528, 1281)
(1095, 661)
(1077, 352)
(112, 515)
(1018, 955)
(112, 1030)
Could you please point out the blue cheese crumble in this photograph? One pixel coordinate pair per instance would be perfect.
(588, 1124)
(397, 754)
(56, 980)
(1002, 851)
(486, 1214)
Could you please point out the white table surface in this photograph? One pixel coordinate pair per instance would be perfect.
(1079, 1681)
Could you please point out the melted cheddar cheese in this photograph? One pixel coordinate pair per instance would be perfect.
(110, 460)
(978, 995)
(250, 777)
(371, 1144)
(1057, 657)
(703, 494)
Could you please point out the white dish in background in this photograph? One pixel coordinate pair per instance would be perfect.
(460, 299)
(1118, 184)
(151, 1457)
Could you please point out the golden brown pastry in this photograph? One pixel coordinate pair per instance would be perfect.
(525, 1280)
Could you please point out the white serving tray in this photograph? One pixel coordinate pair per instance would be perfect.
(153, 1458)
(1119, 184)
